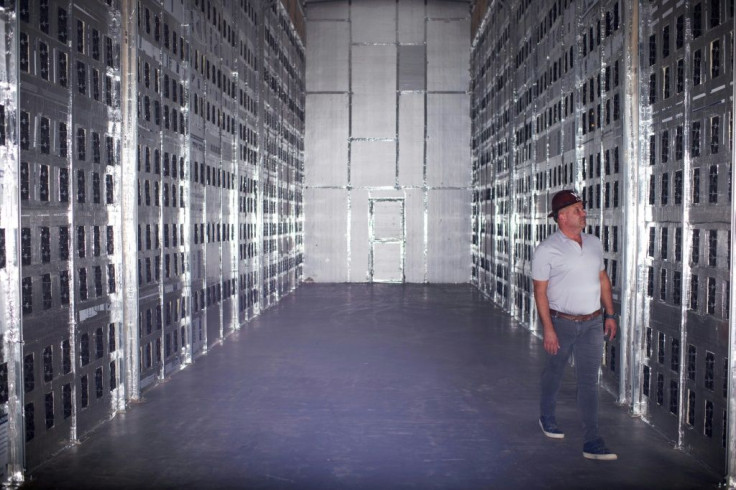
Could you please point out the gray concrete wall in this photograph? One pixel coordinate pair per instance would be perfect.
(388, 142)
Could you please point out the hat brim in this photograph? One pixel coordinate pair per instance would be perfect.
(552, 214)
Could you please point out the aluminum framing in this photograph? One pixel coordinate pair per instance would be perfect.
(11, 322)
(377, 238)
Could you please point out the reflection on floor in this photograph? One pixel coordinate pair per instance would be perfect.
(370, 387)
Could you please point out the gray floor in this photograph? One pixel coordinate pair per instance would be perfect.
(366, 387)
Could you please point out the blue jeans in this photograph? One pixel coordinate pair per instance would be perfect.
(583, 340)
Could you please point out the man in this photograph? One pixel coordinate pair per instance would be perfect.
(570, 283)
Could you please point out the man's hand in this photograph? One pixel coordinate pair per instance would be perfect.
(609, 328)
(551, 344)
(609, 325)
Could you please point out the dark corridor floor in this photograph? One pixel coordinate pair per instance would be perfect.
(370, 387)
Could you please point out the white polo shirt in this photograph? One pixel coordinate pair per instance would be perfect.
(573, 272)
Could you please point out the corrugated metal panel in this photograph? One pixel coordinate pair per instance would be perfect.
(325, 235)
(328, 52)
(448, 232)
(337, 9)
(448, 9)
(415, 265)
(411, 139)
(387, 262)
(374, 92)
(447, 157)
(327, 140)
(411, 22)
(388, 219)
(373, 115)
(448, 55)
(412, 67)
(374, 21)
(359, 237)
(373, 163)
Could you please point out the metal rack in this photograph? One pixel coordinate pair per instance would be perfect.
(151, 198)
(630, 104)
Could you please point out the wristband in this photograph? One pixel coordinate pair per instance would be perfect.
(606, 316)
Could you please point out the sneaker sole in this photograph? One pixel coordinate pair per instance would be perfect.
(551, 435)
(600, 457)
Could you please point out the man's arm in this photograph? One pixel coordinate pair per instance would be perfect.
(551, 344)
(607, 300)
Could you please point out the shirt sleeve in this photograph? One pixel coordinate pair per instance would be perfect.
(541, 264)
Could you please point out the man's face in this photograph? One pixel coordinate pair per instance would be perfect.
(573, 216)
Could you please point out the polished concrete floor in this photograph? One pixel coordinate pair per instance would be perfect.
(367, 387)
